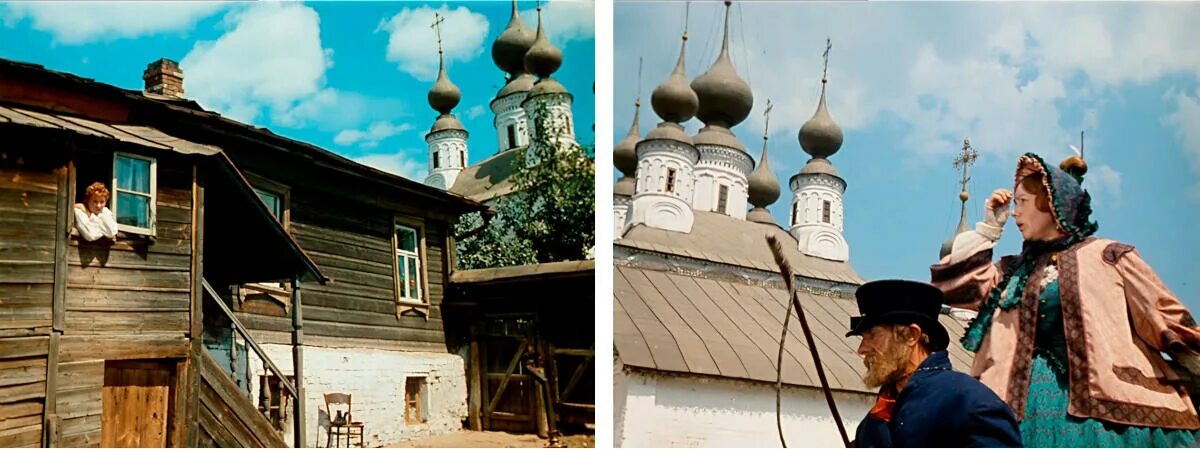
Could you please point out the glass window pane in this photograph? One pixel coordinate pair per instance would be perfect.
(414, 280)
(400, 267)
(274, 202)
(133, 174)
(406, 239)
(133, 210)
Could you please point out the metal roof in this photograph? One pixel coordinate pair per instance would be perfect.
(728, 240)
(488, 178)
(694, 325)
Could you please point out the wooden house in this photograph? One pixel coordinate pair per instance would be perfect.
(255, 270)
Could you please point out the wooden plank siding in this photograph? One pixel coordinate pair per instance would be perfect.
(29, 188)
(353, 246)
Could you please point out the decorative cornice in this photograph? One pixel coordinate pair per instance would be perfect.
(672, 147)
(705, 269)
(446, 134)
(722, 156)
(800, 180)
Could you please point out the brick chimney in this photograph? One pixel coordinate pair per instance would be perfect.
(164, 77)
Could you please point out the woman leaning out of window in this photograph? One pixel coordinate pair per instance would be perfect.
(92, 217)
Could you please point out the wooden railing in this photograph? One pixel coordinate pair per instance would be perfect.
(292, 389)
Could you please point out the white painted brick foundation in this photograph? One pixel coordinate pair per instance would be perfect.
(376, 380)
(654, 410)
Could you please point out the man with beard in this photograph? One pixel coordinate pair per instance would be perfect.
(922, 401)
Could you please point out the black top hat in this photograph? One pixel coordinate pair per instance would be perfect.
(897, 301)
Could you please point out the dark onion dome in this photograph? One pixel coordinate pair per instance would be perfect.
(725, 99)
(543, 59)
(624, 156)
(763, 190)
(508, 51)
(820, 136)
(444, 95)
(674, 100)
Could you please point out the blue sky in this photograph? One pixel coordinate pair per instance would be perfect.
(909, 81)
(349, 77)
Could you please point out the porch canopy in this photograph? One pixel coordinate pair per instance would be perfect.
(242, 241)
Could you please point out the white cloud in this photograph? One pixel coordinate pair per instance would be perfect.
(1186, 119)
(370, 138)
(396, 163)
(1104, 184)
(84, 22)
(564, 20)
(271, 58)
(475, 111)
(412, 44)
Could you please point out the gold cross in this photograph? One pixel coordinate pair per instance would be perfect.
(965, 160)
(437, 28)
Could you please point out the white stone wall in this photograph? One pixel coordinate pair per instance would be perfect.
(689, 411)
(507, 111)
(620, 214)
(376, 379)
(652, 204)
(815, 237)
(557, 115)
(449, 147)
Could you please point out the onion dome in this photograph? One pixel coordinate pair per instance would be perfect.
(948, 245)
(763, 190)
(508, 51)
(624, 156)
(725, 99)
(674, 100)
(543, 59)
(820, 136)
(523, 82)
(443, 97)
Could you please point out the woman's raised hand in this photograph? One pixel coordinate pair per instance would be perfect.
(996, 207)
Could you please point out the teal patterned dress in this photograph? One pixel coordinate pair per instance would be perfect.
(1047, 423)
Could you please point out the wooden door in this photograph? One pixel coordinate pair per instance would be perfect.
(509, 401)
(137, 399)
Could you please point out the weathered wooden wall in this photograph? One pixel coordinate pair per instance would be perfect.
(125, 300)
(28, 213)
(352, 244)
(226, 417)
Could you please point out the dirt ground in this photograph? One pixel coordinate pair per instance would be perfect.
(469, 438)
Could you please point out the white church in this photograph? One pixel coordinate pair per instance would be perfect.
(529, 99)
(698, 300)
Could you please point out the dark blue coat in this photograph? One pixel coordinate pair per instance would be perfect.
(939, 407)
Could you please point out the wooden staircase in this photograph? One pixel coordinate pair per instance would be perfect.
(226, 417)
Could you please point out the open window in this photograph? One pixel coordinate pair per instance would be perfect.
(408, 239)
(134, 192)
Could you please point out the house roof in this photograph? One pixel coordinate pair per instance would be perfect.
(168, 110)
(257, 246)
(724, 239)
(692, 324)
(487, 179)
(522, 272)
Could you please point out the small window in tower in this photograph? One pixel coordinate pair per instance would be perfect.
(436, 163)
(512, 136)
(795, 211)
(722, 199)
(825, 211)
(462, 158)
(670, 180)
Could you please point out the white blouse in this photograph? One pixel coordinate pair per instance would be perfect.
(94, 226)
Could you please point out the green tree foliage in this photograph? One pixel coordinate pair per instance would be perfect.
(551, 214)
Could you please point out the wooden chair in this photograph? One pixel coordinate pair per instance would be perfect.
(345, 426)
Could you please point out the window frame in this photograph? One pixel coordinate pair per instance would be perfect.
(670, 181)
(826, 216)
(150, 230)
(419, 402)
(512, 136)
(722, 199)
(406, 303)
(436, 160)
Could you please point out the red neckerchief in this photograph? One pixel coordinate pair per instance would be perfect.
(883, 405)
